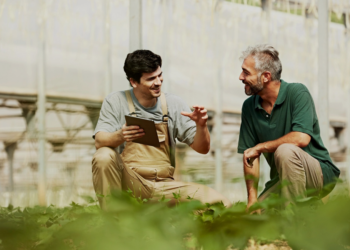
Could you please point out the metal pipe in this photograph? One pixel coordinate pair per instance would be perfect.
(165, 44)
(135, 24)
(218, 109)
(266, 6)
(108, 52)
(218, 136)
(42, 109)
(323, 89)
(348, 137)
(10, 148)
(347, 87)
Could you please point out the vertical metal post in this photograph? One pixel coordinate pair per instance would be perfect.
(347, 87)
(266, 6)
(348, 137)
(135, 20)
(218, 133)
(107, 49)
(346, 84)
(41, 108)
(10, 148)
(165, 45)
(218, 108)
(323, 70)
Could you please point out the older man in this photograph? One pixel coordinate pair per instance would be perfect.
(279, 120)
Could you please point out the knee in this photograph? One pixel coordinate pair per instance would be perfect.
(104, 158)
(285, 153)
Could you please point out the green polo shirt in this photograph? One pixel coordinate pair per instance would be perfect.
(294, 110)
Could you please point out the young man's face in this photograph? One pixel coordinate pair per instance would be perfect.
(249, 77)
(150, 84)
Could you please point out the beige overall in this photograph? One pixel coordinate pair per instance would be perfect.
(146, 170)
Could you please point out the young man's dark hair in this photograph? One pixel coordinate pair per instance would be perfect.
(141, 61)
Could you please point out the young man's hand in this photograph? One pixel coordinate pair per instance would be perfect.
(199, 115)
(131, 133)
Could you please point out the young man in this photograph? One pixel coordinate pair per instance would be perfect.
(146, 170)
(279, 120)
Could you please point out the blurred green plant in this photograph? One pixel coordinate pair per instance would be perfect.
(131, 223)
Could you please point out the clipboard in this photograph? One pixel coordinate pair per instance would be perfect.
(149, 128)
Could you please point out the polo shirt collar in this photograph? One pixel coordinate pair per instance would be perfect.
(282, 93)
(257, 102)
(280, 98)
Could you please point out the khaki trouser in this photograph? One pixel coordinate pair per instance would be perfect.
(300, 170)
(109, 172)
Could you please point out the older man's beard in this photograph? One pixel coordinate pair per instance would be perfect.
(254, 89)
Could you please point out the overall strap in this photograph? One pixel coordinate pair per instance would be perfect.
(130, 103)
(164, 107)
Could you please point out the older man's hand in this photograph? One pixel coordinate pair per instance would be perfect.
(249, 156)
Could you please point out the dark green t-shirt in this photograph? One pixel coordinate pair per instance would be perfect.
(294, 110)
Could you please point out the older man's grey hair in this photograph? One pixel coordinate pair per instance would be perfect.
(266, 59)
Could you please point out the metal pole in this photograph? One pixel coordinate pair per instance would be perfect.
(218, 137)
(218, 134)
(218, 110)
(348, 137)
(42, 109)
(266, 6)
(10, 148)
(108, 56)
(346, 85)
(323, 70)
(135, 20)
(165, 47)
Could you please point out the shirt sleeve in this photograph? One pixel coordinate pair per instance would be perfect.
(185, 128)
(247, 134)
(303, 113)
(108, 120)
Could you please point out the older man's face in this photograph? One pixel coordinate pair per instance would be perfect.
(249, 77)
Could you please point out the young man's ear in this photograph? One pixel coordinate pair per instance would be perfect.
(133, 83)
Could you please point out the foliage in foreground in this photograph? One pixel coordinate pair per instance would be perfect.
(134, 225)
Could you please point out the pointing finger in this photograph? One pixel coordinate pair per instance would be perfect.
(185, 113)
